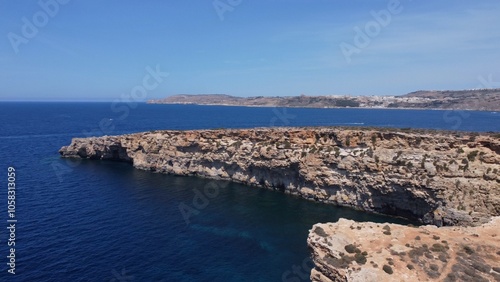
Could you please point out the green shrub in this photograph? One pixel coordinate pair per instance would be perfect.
(320, 231)
(472, 156)
(343, 262)
(387, 269)
(337, 151)
(417, 252)
(352, 249)
(359, 258)
(468, 250)
(374, 140)
(442, 257)
(287, 144)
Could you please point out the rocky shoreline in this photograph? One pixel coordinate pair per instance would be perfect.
(434, 177)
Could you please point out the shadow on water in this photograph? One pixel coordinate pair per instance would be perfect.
(232, 228)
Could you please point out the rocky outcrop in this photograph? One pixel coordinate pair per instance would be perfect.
(434, 177)
(353, 251)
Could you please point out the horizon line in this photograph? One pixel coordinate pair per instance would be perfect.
(348, 95)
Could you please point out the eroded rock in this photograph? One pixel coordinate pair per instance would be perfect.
(355, 251)
(434, 177)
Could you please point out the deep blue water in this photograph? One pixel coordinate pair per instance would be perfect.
(104, 221)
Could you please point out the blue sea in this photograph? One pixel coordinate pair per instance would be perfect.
(106, 221)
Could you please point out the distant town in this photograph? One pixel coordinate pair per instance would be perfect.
(475, 99)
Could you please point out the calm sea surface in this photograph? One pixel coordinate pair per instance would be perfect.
(104, 221)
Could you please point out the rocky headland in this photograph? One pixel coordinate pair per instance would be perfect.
(440, 178)
(433, 177)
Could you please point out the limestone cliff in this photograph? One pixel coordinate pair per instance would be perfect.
(437, 178)
(364, 252)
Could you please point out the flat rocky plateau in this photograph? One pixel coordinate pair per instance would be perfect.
(371, 252)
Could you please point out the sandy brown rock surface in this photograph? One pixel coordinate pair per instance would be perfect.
(354, 251)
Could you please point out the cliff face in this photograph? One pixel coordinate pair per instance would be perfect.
(352, 251)
(436, 178)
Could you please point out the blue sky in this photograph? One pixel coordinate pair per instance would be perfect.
(99, 50)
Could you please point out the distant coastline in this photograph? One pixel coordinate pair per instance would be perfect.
(475, 100)
(273, 106)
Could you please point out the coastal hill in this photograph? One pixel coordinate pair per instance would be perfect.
(481, 99)
(428, 176)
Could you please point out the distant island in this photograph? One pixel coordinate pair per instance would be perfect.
(476, 99)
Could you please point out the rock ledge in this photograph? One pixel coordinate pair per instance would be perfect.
(439, 178)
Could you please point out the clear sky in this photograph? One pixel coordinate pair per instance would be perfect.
(100, 50)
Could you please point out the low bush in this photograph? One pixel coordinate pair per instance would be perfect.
(352, 249)
(387, 269)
